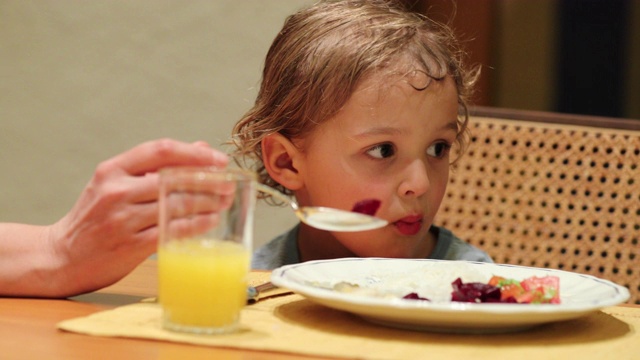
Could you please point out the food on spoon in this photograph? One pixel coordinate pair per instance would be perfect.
(367, 207)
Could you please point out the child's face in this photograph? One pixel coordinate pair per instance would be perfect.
(391, 145)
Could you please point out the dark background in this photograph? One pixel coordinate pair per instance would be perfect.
(569, 56)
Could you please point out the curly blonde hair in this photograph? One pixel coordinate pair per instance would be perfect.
(324, 52)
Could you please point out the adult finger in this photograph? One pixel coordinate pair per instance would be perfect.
(181, 228)
(145, 188)
(154, 155)
(191, 204)
(192, 226)
(140, 216)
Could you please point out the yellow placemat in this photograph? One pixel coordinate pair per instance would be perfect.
(296, 325)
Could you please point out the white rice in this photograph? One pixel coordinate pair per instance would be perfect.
(427, 282)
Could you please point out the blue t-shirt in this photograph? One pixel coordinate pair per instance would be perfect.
(283, 250)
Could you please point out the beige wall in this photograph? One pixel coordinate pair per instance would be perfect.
(81, 81)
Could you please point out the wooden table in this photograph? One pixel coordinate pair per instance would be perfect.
(28, 327)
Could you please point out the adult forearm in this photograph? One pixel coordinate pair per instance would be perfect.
(28, 266)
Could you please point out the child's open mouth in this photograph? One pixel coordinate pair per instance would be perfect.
(409, 225)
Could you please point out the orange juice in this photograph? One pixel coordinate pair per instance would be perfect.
(203, 284)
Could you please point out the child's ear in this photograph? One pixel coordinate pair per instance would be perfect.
(280, 157)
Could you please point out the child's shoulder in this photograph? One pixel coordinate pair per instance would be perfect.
(279, 251)
(450, 247)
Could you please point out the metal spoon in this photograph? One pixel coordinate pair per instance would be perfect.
(253, 292)
(328, 218)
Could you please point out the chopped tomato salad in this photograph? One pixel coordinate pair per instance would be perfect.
(532, 290)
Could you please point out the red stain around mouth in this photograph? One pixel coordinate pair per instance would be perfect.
(367, 207)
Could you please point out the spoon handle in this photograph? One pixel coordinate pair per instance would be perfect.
(253, 292)
(277, 194)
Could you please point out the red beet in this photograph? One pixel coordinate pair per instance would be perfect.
(474, 292)
(414, 296)
(367, 207)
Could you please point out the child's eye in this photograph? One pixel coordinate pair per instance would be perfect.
(381, 151)
(438, 150)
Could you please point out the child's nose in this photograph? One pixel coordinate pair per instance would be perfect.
(415, 180)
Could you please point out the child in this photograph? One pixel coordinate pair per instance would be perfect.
(360, 100)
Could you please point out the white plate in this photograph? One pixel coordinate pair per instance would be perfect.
(579, 294)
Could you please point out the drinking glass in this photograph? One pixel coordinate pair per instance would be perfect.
(204, 247)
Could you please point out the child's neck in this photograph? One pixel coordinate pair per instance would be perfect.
(314, 244)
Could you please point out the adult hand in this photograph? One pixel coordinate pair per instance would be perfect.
(113, 225)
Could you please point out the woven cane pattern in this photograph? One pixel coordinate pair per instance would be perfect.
(549, 195)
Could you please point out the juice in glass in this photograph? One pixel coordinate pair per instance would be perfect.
(204, 247)
(203, 284)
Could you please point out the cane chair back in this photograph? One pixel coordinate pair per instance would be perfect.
(550, 190)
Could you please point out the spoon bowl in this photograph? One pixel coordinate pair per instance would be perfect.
(326, 218)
